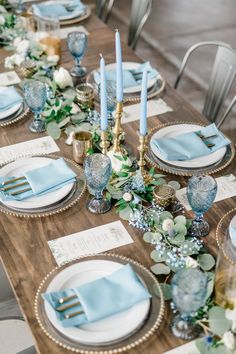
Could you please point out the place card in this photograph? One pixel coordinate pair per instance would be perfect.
(45, 145)
(188, 348)
(226, 188)
(9, 78)
(63, 32)
(91, 241)
(154, 107)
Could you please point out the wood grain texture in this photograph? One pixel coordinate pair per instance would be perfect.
(23, 243)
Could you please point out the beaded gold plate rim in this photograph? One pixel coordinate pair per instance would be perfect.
(219, 230)
(17, 118)
(19, 214)
(119, 349)
(186, 173)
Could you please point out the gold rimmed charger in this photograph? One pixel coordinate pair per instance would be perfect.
(184, 171)
(148, 328)
(62, 205)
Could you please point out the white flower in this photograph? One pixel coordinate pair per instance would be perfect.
(75, 108)
(23, 46)
(229, 340)
(2, 9)
(231, 316)
(116, 163)
(2, 20)
(53, 58)
(8, 63)
(17, 41)
(62, 78)
(18, 59)
(168, 225)
(191, 263)
(127, 197)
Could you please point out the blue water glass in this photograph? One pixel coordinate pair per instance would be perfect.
(35, 93)
(201, 193)
(77, 42)
(111, 100)
(97, 169)
(20, 8)
(189, 287)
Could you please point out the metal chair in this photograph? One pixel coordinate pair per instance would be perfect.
(140, 12)
(227, 112)
(222, 76)
(103, 9)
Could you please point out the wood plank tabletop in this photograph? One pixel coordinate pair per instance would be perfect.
(23, 242)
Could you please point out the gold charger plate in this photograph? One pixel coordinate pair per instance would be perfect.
(151, 324)
(70, 200)
(181, 171)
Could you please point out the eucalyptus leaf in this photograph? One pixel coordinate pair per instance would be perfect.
(148, 237)
(180, 229)
(217, 321)
(155, 255)
(180, 219)
(53, 130)
(157, 236)
(165, 215)
(204, 348)
(177, 240)
(115, 194)
(126, 213)
(206, 261)
(160, 269)
(64, 122)
(166, 290)
(78, 116)
(69, 94)
(210, 285)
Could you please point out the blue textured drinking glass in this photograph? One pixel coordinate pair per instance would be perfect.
(201, 193)
(77, 42)
(111, 100)
(20, 7)
(35, 93)
(189, 287)
(97, 169)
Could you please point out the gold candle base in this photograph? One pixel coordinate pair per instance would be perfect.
(142, 163)
(104, 142)
(117, 130)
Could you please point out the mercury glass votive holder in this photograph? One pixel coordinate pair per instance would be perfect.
(164, 195)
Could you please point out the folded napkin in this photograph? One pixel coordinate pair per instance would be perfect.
(42, 180)
(54, 9)
(9, 97)
(101, 298)
(132, 77)
(189, 146)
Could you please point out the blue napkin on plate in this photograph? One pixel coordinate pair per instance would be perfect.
(101, 298)
(9, 97)
(132, 77)
(58, 10)
(42, 180)
(189, 146)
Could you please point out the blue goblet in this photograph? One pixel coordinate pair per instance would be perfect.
(201, 192)
(20, 8)
(97, 169)
(111, 100)
(189, 288)
(77, 42)
(35, 93)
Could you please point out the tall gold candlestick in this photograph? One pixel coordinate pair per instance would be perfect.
(142, 163)
(117, 130)
(104, 142)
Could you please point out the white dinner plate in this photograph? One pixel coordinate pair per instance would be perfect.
(110, 329)
(232, 225)
(177, 129)
(10, 111)
(77, 13)
(128, 65)
(17, 168)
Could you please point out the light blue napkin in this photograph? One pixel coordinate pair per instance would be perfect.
(189, 146)
(42, 180)
(101, 298)
(129, 77)
(9, 97)
(58, 10)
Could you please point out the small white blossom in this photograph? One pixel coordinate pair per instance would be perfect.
(2, 20)
(168, 225)
(53, 58)
(229, 340)
(191, 263)
(23, 46)
(8, 63)
(127, 197)
(231, 316)
(75, 108)
(62, 78)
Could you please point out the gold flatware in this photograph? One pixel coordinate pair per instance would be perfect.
(67, 298)
(203, 137)
(67, 316)
(67, 307)
(5, 189)
(21, 191)
(12, 180)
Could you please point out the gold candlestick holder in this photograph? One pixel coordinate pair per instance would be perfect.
(117, 130)
(142, 163)
(104, 142)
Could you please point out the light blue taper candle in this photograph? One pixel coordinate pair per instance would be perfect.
(119, 71)
(103, 95)
(143, 117)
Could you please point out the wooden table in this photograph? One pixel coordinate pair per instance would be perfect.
(23, 243)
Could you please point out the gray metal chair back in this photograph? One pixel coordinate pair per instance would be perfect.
(103, 9)
(222, 76)
(140, 12)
